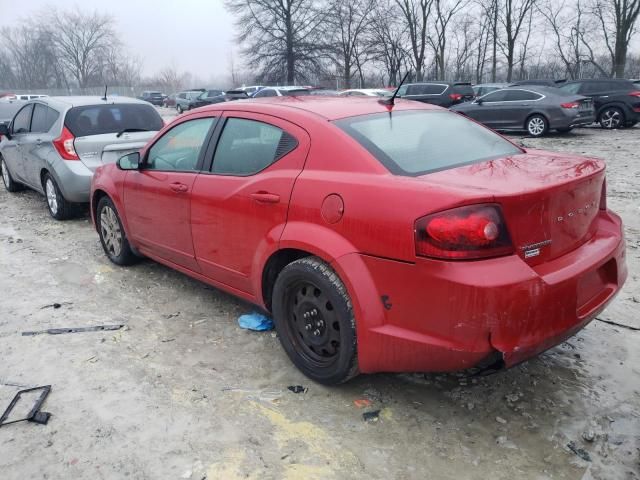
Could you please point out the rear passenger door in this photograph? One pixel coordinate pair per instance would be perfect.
(519, 104)
(239, 208)
(36, 145)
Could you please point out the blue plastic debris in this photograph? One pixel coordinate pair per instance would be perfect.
(255, 321)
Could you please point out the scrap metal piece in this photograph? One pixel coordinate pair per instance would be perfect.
(58, 331)
(35, 415)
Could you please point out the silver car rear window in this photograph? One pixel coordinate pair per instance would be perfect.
(415, 143)
(111, 118)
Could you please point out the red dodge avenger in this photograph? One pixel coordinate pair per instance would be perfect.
(382, 238)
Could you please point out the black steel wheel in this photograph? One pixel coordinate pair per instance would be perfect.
(315, 322)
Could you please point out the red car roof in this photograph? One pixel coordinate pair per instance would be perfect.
(331, 108)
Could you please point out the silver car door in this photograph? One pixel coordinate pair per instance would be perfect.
(37, 145)
(13, 151)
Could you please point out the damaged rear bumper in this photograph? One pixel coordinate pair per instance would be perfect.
(447, 316)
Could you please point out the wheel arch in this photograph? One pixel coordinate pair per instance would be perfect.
(615, 104)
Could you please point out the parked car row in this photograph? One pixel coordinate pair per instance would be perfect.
(271, 201)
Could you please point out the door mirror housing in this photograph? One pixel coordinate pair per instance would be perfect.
(5, 131)
(129, 162)
(479, 101)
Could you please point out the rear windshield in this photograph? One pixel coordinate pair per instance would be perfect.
(463, 89)
(414, 143)
(111, 118)
(155, 94)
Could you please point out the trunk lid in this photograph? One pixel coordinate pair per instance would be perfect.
(550, 201)
(97, 150)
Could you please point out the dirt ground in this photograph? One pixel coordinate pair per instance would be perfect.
(183, 392)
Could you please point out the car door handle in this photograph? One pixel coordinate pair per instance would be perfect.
(265, 197)
(179, 187)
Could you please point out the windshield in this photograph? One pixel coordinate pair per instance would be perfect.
(414, 143)
(111, 118)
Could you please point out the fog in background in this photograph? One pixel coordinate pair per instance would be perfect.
(193, 36)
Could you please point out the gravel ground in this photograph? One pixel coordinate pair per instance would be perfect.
(182, 392)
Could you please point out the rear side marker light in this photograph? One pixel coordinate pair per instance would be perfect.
(64, 145)
(570, 105)
(465, 233)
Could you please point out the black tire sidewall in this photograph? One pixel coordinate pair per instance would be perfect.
(126, 256)
(64, 208)
(622, 118)
(345, 365)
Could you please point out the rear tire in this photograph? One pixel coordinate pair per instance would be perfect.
(611, 118)
(315, 323)
(537, 125)
(179, 108)
(11, 185)
(59, 208)
(112, 237)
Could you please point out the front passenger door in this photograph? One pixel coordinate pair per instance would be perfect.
(12, 151)
(157, 197)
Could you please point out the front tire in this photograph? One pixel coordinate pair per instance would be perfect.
(11, 185)
(179, 108)
(612, 118)
(59, 208)
(112, 237)
(537, 125)
(315, 323)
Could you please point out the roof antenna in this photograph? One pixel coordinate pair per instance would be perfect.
(105, 93)
(392, 101)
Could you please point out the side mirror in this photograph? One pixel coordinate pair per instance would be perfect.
(129, 162)
(479, 101)
(4, 131)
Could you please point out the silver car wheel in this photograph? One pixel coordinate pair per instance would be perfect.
(5, 174)
(611, 119)
(536, 126)
(52, 196)
(111, 232)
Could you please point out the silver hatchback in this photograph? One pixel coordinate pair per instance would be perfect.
(54, 144)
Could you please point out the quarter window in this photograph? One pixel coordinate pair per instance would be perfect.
(247, 146)
(180, 147)
(43, 118)
(22, 122)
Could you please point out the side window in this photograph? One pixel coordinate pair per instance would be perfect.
(403, 90)
(498, 96)
(43, 118)
(179, 148)
(592, 88)
(182, 95)
(22, 120)
(520, 95)
(572, 88)
(248, 146)
(267, 92)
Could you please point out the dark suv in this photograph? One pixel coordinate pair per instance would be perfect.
(444, 94)
(154, 98)
(616, 101)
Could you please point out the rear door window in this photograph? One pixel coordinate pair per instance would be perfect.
(247, 147)
(111, 118)
(22, 121)
(498, 96)
(426, 89)
(413, 143)
(521, 95)
(43, 118)
(466, 90)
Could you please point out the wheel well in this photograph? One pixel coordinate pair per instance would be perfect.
(43, 172)
(536, 114)
(97, 195)
(611, 105)
(274, 266)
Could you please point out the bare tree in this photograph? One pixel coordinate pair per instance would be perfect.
(416, 15)
(349, 20)
(386, 40)
(444, 11)
(617, 19)
(513, 18)
(566, 23)
(283, 38)
(82, 41)
(465, 43)
(483, 36)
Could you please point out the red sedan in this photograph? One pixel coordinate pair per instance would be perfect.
(404, 238)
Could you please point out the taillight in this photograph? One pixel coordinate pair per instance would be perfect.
(456, 97)
(464, 233)
(603, 195)
(64, 145)
(635, 94)
(570, 105)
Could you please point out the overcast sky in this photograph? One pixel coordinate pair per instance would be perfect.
(194, 35)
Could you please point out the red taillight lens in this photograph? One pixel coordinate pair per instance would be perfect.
(570, 105)
(603, 195)
(64, 145)
(456, 97)
(465, 233)
(635, 94)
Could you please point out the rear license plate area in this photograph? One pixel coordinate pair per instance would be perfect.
(596, 287)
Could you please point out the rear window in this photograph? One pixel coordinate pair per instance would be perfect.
(426, 89)
(463, 89)
(418, 142)
(100, 119)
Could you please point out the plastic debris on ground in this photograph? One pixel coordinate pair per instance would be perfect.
(298, 389)
(371, 416)
(362, 402)
(256, 322)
